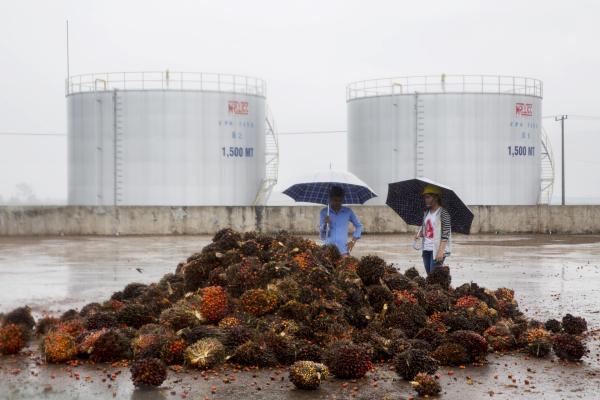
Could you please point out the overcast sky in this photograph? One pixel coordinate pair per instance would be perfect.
(307, 51)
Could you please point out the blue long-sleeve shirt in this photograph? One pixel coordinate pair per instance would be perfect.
(337, 233)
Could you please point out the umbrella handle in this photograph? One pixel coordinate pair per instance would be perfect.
(327, 224)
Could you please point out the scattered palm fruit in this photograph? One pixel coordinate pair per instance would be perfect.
(307, 374)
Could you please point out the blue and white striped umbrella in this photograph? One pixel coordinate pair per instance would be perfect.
(315, 187)
(406, 199)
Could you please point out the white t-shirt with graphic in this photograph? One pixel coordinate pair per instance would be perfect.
(428, 233)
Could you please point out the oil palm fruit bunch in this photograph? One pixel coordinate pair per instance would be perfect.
(412, 273)
(574, 325)
(113, 345)
(440, 276)
(45, 324)
(58, 347)
(259, 302)
(20, 316)
(135, 315)
(308, 375)
(553, 325)
(214, 304)
(148, 345)
(205, 353)
(425, 384)
(253, 353)
(370, 269)
(568, 347)
(348, 360)
(12, 339)
(450, 353)
(412, 361)
(100, 319)
(499, 337)
(173, 351)
(476, 345)
(179, 317)
(539, 342)
(148, 372)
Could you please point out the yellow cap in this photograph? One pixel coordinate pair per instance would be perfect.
(431, 189)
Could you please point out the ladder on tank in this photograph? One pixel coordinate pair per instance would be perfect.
(271, 161)
(547, 169)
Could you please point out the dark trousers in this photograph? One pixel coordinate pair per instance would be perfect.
(429, 261)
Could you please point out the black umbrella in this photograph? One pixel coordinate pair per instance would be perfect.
(406, 199)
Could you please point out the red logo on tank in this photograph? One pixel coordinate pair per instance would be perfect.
(238, 107)
(524, 109)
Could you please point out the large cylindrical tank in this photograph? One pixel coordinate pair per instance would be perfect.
(478, 134)
(165, 138)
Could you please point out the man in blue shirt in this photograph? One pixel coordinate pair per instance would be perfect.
(334, 222)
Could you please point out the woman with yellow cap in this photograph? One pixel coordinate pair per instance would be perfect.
(435, 232)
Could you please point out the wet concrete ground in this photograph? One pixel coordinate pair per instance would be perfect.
(551, 275)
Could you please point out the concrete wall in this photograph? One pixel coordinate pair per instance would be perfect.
(134, 220)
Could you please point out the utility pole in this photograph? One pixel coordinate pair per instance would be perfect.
(68, 66)
(562, 151)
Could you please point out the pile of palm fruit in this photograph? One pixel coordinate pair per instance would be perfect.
(264, 300)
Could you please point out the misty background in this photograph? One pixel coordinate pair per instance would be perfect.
(307, 52)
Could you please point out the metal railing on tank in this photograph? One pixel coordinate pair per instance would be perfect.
(445, 84)
(165, 80)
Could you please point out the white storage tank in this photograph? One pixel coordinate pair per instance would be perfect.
(165, 138)
(478, 134)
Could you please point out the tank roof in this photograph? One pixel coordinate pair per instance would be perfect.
(499, 84)
(165, 80)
